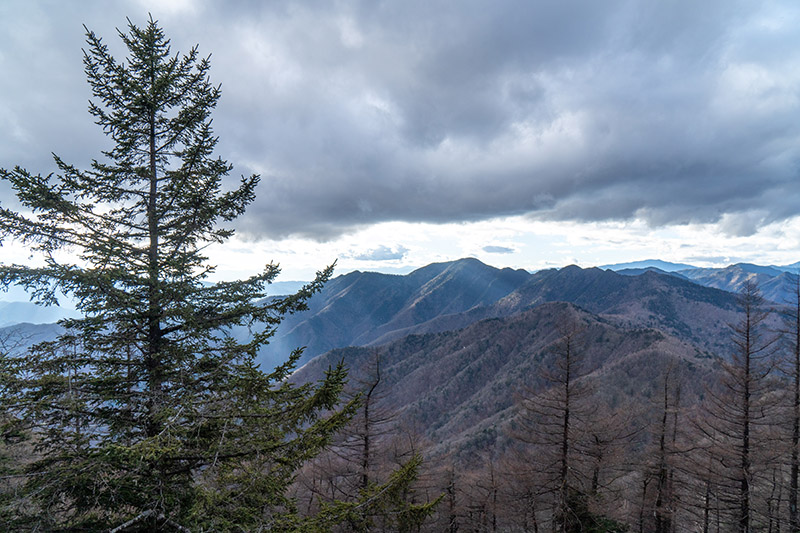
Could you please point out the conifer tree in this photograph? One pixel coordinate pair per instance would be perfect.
(147, 413)
(366, 462)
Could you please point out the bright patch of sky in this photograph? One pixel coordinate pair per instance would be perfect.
(514, 242)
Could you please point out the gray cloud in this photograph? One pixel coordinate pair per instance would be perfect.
(724, 260)
(498, 250)
(382, 253)
(673, 112)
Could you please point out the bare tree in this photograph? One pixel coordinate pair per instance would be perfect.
(565, 440)
(669, 473)
(550, 421)
(791, 333)
(372, 458)
(663, 471)
(739, 411)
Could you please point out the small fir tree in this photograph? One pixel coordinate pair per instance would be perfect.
(147, 413)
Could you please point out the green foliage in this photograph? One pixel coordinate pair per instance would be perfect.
(578, 518)
(381, 507)
(147, 411)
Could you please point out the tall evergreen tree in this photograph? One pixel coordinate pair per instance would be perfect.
(147, 413)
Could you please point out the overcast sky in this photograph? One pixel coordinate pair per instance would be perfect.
(525, 133)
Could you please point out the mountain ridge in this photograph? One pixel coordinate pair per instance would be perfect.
(452, 382)
(369, 309)
(360, 307)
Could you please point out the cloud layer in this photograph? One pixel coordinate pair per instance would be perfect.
(423, 111)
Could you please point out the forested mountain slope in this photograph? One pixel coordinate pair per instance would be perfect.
(774, 282)
(694, 313)
(454, 385)
(361, 308)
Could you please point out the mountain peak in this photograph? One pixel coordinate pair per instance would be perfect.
(365, 308)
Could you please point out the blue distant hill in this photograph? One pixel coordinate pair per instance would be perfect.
(27, 312)
(640, 271)
(794, 267)
(16, 307)
(666, 266)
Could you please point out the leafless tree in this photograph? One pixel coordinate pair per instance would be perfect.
(791, 333)
(566, 441)
(739, 412)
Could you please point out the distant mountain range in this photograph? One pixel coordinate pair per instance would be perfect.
(368, 309)
(15, 307)
(456, 340)
(774, 282)
(664, 266)
(26, 312)
(371, 309)
(20, 337)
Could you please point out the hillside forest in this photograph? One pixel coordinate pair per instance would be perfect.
(457, 398)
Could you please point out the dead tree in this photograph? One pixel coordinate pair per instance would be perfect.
(739, 409)
(791, 333)
(552, 420)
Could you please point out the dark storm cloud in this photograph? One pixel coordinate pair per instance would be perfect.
(360, 112)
